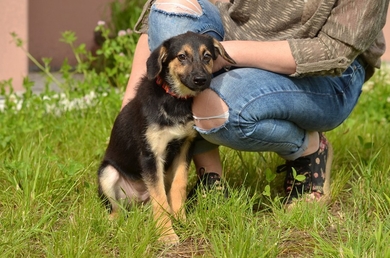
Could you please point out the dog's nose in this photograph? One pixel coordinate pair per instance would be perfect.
(200, 80)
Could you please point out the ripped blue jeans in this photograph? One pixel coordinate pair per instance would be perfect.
(267, 111)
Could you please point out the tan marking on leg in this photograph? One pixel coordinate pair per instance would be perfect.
(161, 212)
(158, 139)
(178, 190)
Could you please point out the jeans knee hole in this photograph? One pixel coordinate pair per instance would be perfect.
(211, 122)
(188, 6)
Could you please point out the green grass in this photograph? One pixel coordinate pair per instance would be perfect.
(49, 205)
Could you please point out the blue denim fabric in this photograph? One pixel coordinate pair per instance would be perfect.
(267, 111)
(274, 112)
(163, 25)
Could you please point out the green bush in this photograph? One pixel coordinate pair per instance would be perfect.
(117, 41)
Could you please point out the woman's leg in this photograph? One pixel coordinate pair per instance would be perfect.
(264, 111)
(254, 110)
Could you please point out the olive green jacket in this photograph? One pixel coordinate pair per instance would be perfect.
(325, 36)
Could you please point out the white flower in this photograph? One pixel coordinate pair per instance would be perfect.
(101, 23)
(368, 86)
(122, 33)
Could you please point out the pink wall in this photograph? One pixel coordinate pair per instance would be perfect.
(386, 30)
(13, 61)
(48, 19)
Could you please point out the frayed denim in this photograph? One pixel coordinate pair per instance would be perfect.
(163, 25)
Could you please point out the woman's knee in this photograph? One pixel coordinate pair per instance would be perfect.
(209, 110)
(179, 6)
(168, 18)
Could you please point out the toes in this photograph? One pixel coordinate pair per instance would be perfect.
(171, 239)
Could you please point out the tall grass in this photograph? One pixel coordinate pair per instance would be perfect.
(49, 206)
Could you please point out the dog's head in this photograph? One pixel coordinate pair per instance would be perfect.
(185, 63)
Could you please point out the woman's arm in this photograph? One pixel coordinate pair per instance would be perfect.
(351, 28)
(273, 56)
(141, 54)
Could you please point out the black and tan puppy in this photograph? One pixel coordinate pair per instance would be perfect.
(148, 154)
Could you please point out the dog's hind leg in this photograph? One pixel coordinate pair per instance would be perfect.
(108, 178)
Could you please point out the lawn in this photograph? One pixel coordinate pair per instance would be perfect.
(51, 146)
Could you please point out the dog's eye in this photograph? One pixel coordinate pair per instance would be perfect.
(207, 57)
(182, 57)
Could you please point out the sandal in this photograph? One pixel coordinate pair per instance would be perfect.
(316, 171)
(208, 182)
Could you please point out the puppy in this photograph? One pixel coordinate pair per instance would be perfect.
(147, 157)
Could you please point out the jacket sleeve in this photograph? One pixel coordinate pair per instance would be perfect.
(352, 27)
(142, 24)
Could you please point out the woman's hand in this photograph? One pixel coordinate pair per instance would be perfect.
(220, 63)
(274, 56)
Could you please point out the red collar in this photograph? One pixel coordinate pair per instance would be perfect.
(167, 89)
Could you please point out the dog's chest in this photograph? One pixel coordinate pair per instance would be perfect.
(173, 116)
(159, 107)
(158, 137)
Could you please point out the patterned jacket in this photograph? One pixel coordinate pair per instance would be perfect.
(325, 36)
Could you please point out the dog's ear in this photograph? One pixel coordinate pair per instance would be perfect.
(155, 61)
(221, 50)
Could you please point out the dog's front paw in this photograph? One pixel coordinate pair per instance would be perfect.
(180, 216)
(171, 239)
(113, 216)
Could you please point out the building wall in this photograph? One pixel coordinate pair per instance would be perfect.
(13, 61)
(386, 30)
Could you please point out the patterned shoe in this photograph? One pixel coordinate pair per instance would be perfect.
(316, 171)
(208, 182)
